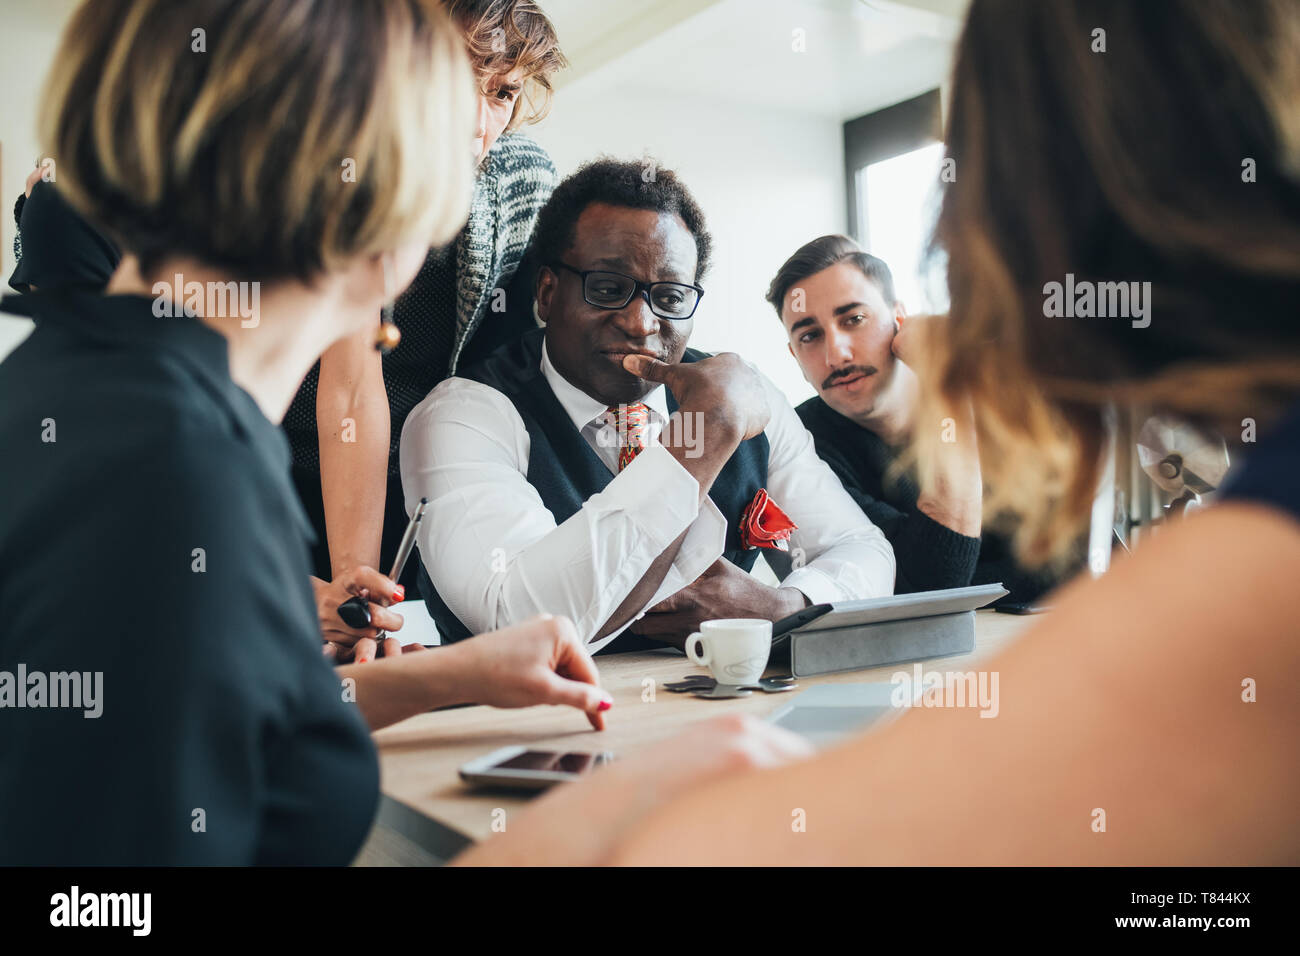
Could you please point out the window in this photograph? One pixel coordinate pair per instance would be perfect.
(898, 202)
(892, 160)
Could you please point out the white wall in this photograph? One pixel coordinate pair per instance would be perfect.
(29, 35)
(767, 181)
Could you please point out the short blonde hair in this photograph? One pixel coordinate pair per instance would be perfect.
(270, 138)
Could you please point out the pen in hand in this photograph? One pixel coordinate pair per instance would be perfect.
(355, 611)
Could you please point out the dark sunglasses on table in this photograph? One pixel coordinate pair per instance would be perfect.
(613, 290)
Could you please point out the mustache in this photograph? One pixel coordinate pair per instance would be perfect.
(840, 374)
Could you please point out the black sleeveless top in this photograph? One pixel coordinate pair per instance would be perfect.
(136, 468)
(566, 471)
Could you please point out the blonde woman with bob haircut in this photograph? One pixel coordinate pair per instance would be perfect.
(210, 139)
(1163, 692)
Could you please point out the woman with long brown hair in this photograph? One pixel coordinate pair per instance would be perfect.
(1114, 142)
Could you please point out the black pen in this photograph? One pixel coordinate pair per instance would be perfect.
(355, 611)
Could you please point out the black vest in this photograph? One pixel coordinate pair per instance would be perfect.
(566, 471)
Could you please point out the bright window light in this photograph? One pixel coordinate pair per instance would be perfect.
(897, 205)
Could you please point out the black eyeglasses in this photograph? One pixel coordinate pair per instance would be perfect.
(613, 290)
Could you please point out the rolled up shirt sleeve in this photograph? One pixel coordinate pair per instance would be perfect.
(496, 553)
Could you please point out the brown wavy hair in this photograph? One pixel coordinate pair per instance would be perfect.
(502, 35)
(1131, 164)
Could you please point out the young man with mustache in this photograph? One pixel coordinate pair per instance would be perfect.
(846, 331)
(599, 469)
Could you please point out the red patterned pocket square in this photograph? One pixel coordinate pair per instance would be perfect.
(764, 525)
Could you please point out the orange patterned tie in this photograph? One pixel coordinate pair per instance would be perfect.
(632, 421)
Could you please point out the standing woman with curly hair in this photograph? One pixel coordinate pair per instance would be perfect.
(469, 296)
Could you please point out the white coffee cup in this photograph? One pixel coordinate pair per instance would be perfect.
(735, 650)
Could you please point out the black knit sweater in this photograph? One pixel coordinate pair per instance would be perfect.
(451, 311)
(929, 555)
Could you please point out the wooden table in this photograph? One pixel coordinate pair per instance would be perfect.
(428, 814)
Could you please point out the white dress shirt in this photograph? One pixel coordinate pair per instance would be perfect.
(497, 556)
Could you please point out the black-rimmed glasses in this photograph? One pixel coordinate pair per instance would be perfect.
(613, 290)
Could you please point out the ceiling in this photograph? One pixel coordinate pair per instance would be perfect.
(859, 55)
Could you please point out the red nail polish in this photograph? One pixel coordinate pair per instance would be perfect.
(399, 594)
(606, 705)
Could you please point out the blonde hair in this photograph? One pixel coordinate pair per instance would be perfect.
(1126, 164)
(270, 138)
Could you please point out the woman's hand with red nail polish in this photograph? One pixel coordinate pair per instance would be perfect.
(539, 661)
(376, 589)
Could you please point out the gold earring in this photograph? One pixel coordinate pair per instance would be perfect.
(388, 334)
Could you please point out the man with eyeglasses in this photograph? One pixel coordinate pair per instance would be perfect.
(599, 469)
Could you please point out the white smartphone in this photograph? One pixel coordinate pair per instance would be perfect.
(519, 768)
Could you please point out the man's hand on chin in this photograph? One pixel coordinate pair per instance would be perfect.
(722, 591)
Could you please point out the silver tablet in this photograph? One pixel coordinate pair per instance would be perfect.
(829, 712)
